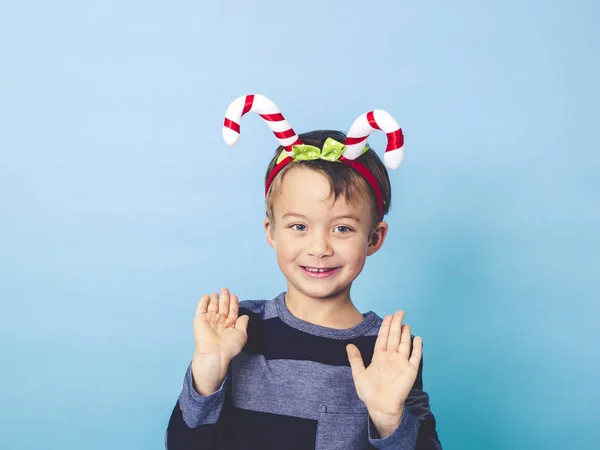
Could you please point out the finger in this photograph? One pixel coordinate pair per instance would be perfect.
(417, 353)
(233, 308)
(395, 331)
(224, 302)
(355, 358)
(202, 304)
(382, 336)
(404, 347)
(213, 305)
(242, 323)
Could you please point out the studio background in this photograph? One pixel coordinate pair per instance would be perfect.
(120, 205)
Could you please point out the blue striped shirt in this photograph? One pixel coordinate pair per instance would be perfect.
(291, 388)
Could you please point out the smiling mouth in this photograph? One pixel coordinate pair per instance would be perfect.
(319, 270)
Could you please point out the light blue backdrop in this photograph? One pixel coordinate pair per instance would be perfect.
(118, 208)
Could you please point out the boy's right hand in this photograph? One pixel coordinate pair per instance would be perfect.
(220, 335)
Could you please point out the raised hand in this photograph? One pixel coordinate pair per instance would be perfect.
(219, 335)
(385, 384)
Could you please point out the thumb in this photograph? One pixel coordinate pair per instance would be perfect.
(242, 323)
(356, 362)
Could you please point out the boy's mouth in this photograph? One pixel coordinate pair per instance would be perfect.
(319, 272)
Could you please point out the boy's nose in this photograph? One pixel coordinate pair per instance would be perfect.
(319, 246)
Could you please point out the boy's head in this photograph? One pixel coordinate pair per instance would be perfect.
(323, 219)
(326, 194)
(342, 178)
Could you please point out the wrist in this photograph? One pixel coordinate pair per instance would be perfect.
(208, 374)
(386, 422)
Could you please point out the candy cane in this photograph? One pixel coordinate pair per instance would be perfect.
(367, 123)
(266, 109)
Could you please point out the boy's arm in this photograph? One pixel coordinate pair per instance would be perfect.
(417, 428)
(197, 420)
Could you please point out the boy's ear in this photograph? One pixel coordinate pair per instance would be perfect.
(377, 238)
(269, 232)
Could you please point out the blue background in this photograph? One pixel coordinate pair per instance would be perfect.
(120, 204)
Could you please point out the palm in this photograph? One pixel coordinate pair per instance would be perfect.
(216, 333)
(217, 328)
(386, 383)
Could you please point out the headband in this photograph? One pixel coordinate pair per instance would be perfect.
(296, 150)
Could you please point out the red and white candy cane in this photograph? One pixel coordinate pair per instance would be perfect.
(362, 127)
(266, 109)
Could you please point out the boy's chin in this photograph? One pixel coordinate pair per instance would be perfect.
(323, 292)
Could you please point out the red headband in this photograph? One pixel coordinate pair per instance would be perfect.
(355, 142)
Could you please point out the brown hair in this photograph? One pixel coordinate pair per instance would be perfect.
(342, 178)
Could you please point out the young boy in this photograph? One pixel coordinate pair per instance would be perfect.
(307, 370)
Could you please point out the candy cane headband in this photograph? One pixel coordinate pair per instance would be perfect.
(353, 147)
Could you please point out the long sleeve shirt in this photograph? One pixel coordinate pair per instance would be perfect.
(291, 387)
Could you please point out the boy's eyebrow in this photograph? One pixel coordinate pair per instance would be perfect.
(290, 214)
(348, 216)
(344, 216)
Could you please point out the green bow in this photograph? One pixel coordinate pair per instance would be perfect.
(332, 150)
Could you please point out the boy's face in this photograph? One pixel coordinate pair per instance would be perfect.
(321, 244)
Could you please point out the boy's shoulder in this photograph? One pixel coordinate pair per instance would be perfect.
(258, 307)
(253, 305)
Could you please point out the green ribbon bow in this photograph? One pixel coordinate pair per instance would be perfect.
(332, 150)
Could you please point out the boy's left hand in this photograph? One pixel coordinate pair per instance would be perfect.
(385, 384)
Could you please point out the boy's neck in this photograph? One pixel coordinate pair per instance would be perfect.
(333, 312)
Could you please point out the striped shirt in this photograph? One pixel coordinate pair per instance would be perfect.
(291, 388)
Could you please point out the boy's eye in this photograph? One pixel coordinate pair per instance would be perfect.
(343, 229)
(298, 227)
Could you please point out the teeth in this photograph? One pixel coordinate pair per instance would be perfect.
(310, 269)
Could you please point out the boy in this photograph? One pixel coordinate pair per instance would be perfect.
(307, 370)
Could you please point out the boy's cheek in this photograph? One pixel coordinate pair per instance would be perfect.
(287, 250)
(354, 248)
